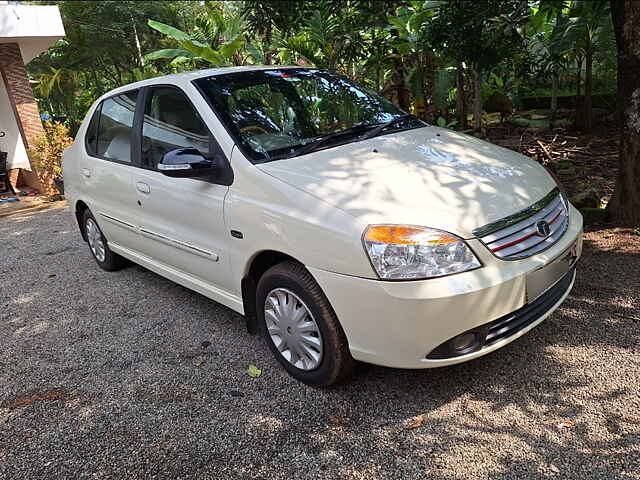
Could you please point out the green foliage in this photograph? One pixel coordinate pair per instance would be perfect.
(325, 41)
(46, 153)
(98, 53)
(481, 35)
(215, 41)
(414, 45)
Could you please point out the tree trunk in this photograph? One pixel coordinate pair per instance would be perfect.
(579, 73)
(554, 96)
(579, 104)
(268, 56)
(588, 88)
(624, 206)
(399, 78)
(404, 95)
(137, 39)
(430, 86)
(461, 104)
(477, 100)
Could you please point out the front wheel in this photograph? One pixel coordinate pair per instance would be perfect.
(300, 326)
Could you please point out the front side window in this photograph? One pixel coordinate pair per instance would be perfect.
(109, 133)
(276, 113)
(171, 122)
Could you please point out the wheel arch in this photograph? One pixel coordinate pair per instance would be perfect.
(81, 207)
(256, 267)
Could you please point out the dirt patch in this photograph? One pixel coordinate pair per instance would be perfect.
(55, 395)
(27, 205)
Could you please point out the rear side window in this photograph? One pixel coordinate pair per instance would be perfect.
(92, 132)
(110, 130)
(171, 122)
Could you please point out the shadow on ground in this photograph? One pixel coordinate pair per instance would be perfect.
(128, 375)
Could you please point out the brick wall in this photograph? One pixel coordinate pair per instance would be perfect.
(25, 107)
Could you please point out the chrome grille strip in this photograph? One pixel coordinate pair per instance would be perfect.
(521, 238)
(525, 249)
(518, 216)
(526, 229)
(516, 227)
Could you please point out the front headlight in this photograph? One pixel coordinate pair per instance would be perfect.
(399, 252)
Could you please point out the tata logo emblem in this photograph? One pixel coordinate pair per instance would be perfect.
(544, 229)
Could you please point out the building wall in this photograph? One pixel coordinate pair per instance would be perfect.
(25, 31)
(12, 141)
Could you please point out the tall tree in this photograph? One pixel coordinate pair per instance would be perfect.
(98, 53)
(480, 35)
(266, 17)
(625, 203)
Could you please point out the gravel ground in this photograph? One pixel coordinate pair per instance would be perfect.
(127, 375)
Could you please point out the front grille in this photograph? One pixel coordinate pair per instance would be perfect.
(519, 236)
(515, 321)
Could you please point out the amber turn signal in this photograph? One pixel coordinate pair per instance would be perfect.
(407, 235)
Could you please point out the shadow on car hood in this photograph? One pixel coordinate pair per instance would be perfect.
(428, 176)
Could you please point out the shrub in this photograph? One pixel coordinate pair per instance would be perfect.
(46, 154)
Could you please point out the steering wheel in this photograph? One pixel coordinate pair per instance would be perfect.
(254, 128)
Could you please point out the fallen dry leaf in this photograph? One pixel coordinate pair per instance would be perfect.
(554, 469)
(337, 421)
(565, 424)
(415, 422)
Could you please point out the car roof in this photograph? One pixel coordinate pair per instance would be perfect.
(181, 78)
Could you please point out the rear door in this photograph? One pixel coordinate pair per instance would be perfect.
(106, 169)
(181, 219)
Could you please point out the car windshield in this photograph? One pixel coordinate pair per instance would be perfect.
(281, 113)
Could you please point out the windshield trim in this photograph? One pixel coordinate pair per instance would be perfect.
(251, 154)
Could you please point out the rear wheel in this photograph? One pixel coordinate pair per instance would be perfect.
(98, 245)
(300, 326)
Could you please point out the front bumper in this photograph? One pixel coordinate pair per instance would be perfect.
(397, 324)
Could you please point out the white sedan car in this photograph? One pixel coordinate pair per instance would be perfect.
(341, 227)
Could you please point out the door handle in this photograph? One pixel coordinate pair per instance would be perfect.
(143, 187)
(86, 172)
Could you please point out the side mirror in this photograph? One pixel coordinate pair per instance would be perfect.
(186, 163)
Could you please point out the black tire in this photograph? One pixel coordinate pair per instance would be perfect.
(336, 364)
(112, 261)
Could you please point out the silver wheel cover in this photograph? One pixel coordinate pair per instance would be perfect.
(292, 329)
(94, 237)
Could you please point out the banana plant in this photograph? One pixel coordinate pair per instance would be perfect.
(410, 47)
(583, 34)
(216, 41)
(324, 41)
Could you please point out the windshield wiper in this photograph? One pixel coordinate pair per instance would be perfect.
(318, 142)
(383, 126)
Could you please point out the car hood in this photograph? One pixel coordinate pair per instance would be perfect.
(428, 176)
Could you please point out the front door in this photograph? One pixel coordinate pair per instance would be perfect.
(181, 219)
